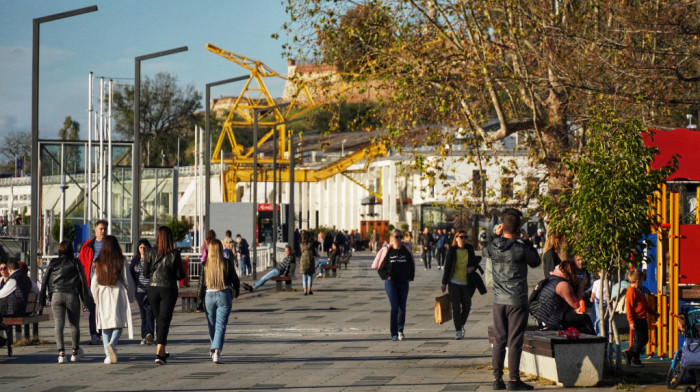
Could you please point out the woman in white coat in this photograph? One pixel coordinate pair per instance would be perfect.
(112, 289)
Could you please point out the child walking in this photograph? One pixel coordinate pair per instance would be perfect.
(637, 309)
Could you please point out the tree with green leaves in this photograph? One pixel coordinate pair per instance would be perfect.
(167, 113)
(71, 131)
(610, 211)
(495, 69)
(17, 145)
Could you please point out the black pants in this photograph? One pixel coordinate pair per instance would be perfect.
(426, 256)
(509, 323)
(162, 300)
(582, 322)
(640, 337)
(441, 256)
(461, 298)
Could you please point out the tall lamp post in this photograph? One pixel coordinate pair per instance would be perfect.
(136, 153)
(207, 147)
(34, 226)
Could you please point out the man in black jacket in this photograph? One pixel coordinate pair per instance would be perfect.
(510, 255)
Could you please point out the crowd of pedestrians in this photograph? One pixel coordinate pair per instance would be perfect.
(101, 282)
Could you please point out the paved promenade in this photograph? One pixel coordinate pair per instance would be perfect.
(336, 340)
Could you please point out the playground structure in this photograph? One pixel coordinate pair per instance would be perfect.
(674, 277)
(310, 94)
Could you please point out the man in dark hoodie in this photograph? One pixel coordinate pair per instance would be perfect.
(511, 253)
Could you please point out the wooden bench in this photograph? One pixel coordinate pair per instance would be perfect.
(189, 300)
(328, 269)
(287, 282)
(33, 317)
(568, 362)
(344, 261)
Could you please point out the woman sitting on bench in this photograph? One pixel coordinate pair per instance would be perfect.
(558, 300)
(281, 269)
(332, 260)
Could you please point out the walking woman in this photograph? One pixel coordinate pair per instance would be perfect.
(307, 262)
(164, 270)
(217, 288)
(65, 280)
(112, 290)
(141, 281)
(397, 269)
(459, 264)
(553, 251)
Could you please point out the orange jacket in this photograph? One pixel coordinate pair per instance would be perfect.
(637, 305)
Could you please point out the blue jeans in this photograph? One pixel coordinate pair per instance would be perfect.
(397, 293)
(148, 321)
(597, 322)
(110, 336)
(272, 274)
(246, 269)
(321, 263)
(218, 308)
(307, 280)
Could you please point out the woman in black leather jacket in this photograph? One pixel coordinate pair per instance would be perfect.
(65, 281)
(164, 269)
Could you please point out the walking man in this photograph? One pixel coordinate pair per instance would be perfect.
(88, 254)
(510, 254)
(426, 242)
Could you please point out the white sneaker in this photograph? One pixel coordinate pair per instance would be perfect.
(112, 353)
(61, 359)
(401, 337)
(216, 358)
(459, 336)
(77, 356)
(319, 275)
(108, 361)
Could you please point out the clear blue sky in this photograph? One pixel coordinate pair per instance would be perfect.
(106, 42)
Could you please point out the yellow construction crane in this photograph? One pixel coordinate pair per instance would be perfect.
(255, 95)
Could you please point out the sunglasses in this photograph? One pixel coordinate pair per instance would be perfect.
(3, 268)
(397, 236)
(462, 236)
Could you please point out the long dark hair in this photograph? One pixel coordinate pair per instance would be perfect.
(305, 236)
(165, 241)
(110, 262)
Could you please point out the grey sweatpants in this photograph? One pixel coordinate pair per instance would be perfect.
(62, 303)
(509, 323)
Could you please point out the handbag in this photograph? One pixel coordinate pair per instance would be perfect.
(691, 354)
(443, 309)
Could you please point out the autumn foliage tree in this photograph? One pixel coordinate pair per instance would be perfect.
(534, 68)
(611, 208)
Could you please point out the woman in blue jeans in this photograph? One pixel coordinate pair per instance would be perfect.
(220, 284)
(397, 269)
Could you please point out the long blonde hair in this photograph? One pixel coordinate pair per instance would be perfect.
(557, 242)
(214, 267)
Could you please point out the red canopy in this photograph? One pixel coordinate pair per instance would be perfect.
(681, 141)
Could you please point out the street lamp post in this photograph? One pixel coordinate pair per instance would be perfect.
(136, 152)
(207, 155)
(34, 210)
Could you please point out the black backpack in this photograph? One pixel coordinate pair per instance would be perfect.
(533, 302)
